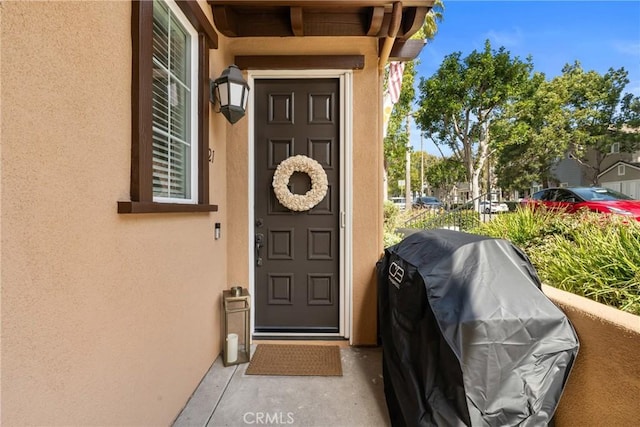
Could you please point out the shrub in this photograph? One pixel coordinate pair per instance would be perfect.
(390, 225)
(596, 258)
(462, 220)
(524, 228)
(589, 254)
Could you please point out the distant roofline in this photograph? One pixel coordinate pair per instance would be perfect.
(616, 164)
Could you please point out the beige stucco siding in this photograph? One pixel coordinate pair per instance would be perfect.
(367, 172)
(114, 319)
(367, 201)
(106, 318)
(604, 383)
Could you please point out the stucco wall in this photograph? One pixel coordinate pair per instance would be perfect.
(367, 172)
(114, 319)
(604, 384)
(106, 318)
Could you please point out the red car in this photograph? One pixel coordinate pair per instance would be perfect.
(595, 199)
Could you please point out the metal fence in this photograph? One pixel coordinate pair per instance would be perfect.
(461, 217)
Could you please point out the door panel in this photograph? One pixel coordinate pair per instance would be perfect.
(297, 263)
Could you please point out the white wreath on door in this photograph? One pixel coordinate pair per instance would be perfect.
(300, 202)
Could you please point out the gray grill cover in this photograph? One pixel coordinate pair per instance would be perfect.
(468, 337)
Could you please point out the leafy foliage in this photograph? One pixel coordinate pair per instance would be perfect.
(598, 114)
(531, 134)
(578, 113)
(391, 223)
(396, 142)
(421, 161)
(430, 27)
(459, 102)
(445, 173)
(588, 254)
(490, 104)
(525, 228)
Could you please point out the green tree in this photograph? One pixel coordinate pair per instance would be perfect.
(396, 140)
(531, 134)
(431, 21)
(578, 113)
(459, 102)
(443, 174)
(630, 113)
(599, 115)
(421, 162)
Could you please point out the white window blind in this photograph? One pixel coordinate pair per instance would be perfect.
(174, 106)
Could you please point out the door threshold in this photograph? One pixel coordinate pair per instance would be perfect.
(340, 342)
(271, 337)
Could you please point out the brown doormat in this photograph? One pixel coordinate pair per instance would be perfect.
(283, 359)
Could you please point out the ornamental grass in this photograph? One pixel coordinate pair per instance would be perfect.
(588, 254)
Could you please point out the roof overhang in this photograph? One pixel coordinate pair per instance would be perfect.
(616, 164)
(392, 22)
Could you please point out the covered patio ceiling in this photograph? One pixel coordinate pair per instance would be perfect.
(392, 22)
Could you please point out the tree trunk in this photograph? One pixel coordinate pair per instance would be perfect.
(483, 153)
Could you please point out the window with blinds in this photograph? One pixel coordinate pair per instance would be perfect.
(174, 105)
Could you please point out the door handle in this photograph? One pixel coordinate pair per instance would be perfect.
(259, 242)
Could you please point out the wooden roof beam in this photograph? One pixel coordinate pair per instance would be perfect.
(377, 16)
(394, 26)
(299, 62)
(225, 20)
(406, 50)
(413, 21)
(317, 3)
(297, 21)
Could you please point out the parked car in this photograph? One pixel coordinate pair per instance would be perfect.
(595, 199)
(427, 202)
(493, 207)
(400, 202)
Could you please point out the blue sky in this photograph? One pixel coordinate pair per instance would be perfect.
(598, 34)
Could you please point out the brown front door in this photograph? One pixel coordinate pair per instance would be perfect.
(297, 253)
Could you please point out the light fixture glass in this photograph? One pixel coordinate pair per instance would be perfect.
(231, 92)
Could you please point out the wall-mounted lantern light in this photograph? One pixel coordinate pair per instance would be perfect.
(231, 92)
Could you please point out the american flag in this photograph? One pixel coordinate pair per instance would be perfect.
(395, 80)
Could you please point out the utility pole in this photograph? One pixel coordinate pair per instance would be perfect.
(489, 179)
(421, 166)
(407, 179)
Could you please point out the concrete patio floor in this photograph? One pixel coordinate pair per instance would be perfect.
(227, 396)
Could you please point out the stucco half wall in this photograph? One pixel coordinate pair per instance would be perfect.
(604, 384)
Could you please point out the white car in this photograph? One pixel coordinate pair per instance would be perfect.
(400, 202)
(493, 207)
